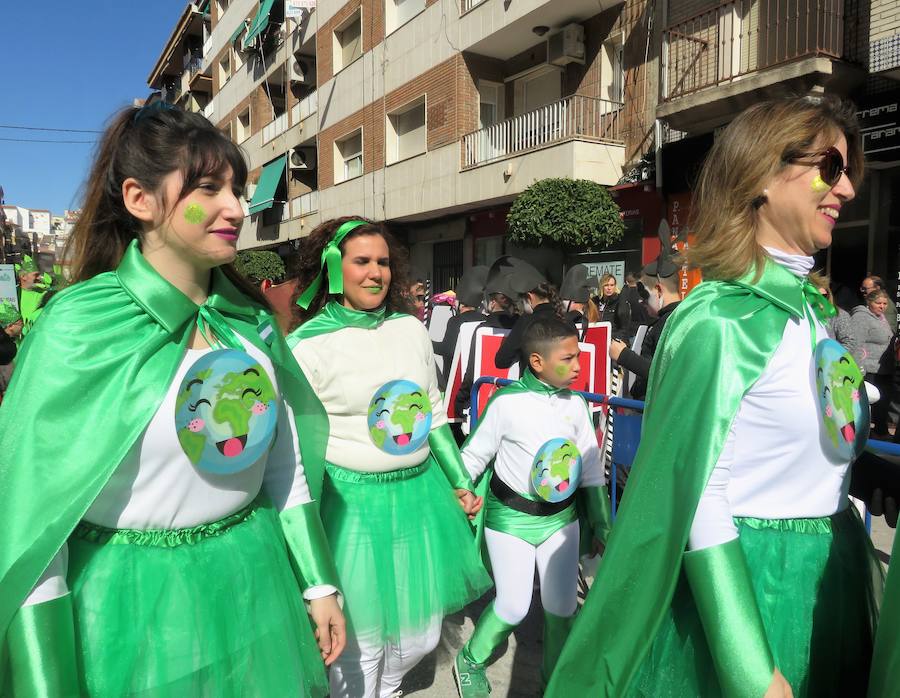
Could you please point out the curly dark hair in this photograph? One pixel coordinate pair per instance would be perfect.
(308, 262)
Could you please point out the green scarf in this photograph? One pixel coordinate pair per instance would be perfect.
(87, 382)
(713, 349)
(334, 317)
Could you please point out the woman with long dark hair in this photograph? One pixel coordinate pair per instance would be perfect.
(395, 493)
(154, 497)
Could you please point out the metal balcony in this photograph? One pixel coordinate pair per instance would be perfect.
(576, 117)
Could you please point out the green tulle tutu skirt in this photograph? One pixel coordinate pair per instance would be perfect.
(404, 549)
(817, 583)
(213, 611)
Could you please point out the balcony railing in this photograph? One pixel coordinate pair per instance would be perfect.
(306, 106)
(275, 127)
(305, 204)
(573, 117)
(744, 36)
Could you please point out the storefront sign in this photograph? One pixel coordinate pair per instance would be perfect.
(296, 9)
(879, 121)
(616, 267)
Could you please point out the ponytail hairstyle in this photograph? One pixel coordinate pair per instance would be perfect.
(147, 144)
(308, 263)
(548, 292)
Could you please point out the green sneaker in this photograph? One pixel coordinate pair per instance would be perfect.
(471, 678)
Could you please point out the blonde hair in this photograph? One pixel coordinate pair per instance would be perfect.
(755, 147)
(604, 279)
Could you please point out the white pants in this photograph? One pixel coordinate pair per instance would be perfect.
(513, 561)
(369, 670)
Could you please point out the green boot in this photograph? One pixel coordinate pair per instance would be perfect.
(468, 669)
(556, 630)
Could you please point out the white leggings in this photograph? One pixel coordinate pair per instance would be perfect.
(513, 561)
(369, 670)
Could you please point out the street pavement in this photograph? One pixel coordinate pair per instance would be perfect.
(515, 672)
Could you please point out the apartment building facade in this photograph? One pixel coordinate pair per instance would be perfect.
(429, 114)
(719, 57)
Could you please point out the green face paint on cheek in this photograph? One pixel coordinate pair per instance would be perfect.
(194, 214)
(819, 185)
(561, 370)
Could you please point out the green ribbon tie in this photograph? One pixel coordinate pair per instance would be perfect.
(331, 259)
(209, 318)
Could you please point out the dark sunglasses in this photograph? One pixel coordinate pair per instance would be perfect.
(831, 165)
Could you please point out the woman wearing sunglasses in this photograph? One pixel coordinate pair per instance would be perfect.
(736, 566)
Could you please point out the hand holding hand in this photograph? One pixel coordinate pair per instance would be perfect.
(469, 502)
(331, 628)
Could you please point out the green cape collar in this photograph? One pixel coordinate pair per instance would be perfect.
(786, 290)
(167, 305)
(334, 317)
(536, 385)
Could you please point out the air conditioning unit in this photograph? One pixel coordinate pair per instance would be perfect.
(302, 159)
(566, 46)
(299, 71)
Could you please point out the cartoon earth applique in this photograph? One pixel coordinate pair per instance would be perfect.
(843, 403)
(225, 412)
(556, 470)
(399, 417)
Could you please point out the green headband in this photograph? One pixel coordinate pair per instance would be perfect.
(27, 266)
(331, 259)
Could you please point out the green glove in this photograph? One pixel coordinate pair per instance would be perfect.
(723, 592)
(308, 546)
(446, 453)
(41, 644)
(597, 507)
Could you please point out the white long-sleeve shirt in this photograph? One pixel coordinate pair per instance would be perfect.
(515, 427)
(775, 463)
(158, 487)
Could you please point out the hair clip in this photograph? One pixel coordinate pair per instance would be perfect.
(153, 108)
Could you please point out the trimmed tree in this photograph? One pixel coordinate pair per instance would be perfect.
(567, 213)
(260, 265)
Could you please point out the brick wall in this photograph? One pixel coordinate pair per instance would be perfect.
(372, 32)
(885, 19)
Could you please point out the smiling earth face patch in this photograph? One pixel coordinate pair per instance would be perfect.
(399, 417)
(225, 412)
(556, 470)
(843, 401)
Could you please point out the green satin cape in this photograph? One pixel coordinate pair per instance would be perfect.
(87, 382)
(713, 349)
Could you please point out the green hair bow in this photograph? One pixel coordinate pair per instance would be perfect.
(331, 259)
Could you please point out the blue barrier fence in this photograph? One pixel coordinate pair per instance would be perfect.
(880, 447)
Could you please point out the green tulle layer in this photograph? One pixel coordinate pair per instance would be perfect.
(404, 550)
(816, 582)
(219, 615)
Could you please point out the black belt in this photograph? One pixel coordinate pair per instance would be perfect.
(514, 500)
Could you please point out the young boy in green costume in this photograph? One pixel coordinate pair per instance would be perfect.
(539, 435)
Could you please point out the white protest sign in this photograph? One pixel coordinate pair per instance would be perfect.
(8, 284)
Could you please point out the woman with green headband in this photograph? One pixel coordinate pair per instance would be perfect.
(160, 536)
(404, 550)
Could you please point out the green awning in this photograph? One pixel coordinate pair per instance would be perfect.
(237, 32)
(271, 175)
(260, 21)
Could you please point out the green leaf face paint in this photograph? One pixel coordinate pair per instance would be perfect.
(819, 185)
(194, 214)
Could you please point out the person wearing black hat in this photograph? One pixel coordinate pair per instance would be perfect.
(538, 298)
(470, 304)
(575, 292)
(660, 277)
(502, 314)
